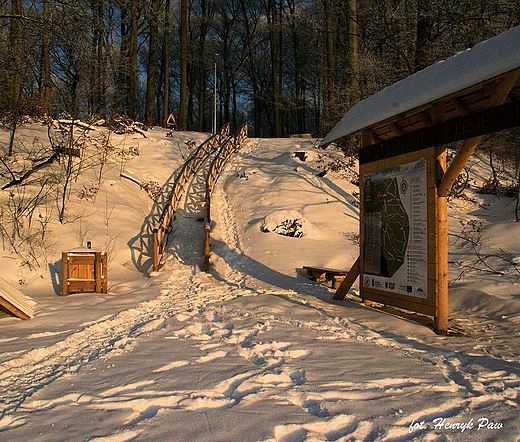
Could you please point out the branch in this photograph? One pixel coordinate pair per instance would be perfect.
(131, 178)
(77, 123)
(8, 168)
(27, 174)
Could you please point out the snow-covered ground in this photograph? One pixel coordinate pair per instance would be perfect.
(255, 351)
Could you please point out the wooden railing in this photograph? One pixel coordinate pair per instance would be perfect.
(190, 167)
(228, 148)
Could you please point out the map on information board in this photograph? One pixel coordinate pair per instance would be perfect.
(395, 229)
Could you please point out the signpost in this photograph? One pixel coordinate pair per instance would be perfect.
(171, 122)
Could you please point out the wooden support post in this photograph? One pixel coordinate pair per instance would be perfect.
(367, 139)
(98, 287)
(104, 273)
(441, 308)
(347, 283)
(64, 274)
(155, 250)
(457, 164)
(440, 213)
(207, 247)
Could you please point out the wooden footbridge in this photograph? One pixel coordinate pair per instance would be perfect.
(193, 187)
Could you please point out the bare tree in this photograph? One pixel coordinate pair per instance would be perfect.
(46, 57)
(153, 58)
(15, 66)
(166, 62)
(330, 61)
(272, 21)
(183, 117)
(250, 22)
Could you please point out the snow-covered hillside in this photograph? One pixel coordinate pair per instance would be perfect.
(255, 351)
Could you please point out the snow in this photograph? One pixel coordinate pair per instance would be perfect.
(482, 62)
(255, 351)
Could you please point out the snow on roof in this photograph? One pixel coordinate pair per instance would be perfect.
(484, 61)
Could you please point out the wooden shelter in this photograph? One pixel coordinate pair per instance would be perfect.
(404, 129)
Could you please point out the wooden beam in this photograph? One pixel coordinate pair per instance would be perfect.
(396, 129)
(104, 263)
(367, 137)
(155, 249)
(501, 89)
(459, 106)
(440, 221)
(349, 280)
(494, 119)
(500, 93)
(98, 279)
(424, 118)
(64, 274)
(441, 251)
(207, 247)
(457, 164)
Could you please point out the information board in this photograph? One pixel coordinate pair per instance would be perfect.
(395, 233)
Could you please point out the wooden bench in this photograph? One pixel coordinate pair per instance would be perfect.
(306, 136)
(323, 275)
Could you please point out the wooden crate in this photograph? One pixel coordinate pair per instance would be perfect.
(84, 271)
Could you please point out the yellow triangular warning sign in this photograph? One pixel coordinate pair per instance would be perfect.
(171, 121)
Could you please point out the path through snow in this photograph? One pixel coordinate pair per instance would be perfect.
(234, 357)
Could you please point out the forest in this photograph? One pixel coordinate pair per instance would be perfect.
(282, 66)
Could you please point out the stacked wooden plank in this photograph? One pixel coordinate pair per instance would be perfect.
(15, 301)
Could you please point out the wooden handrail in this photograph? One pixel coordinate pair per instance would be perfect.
(190, 167)
(226, 150)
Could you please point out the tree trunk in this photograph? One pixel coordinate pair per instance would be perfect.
(16, 51)
(202, 95)
(353, 62)
(517, 203)
(299, 88)
(98, 80)
(204, 26)
(252, 70)
(46, 59)
(132, 55)
(275, 68)
(153, 57)
(15, 66)
(190, 87)
(184, 66)
(423, 30)
(330, 62)
(166, 63)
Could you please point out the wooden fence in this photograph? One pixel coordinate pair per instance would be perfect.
(228, 148)
(190, 167)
